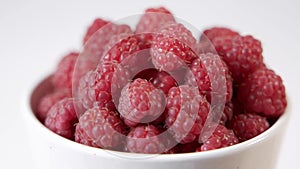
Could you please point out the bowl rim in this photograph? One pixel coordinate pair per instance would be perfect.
(32, 119)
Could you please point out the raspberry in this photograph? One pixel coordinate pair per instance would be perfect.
(126, 50)
(96, 25)
(144, 139)
(62, 78)
(247, 126)
(61, 118)
(186, 113)
(164, 81)
(209, 66)
(100, 127)
(173, 47)
(242, 54)
(98, 45)
(263, 92)
(226, 115)
(140, 102)
(98, 86)
(151, 21)
(217, 136)
(215, 32)
(48, 101)
(160, 79)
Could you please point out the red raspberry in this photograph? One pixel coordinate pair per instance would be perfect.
(63, 76)
(263, 92)
(96, 25)
(151, 21)
(98, 86)
(215, 32)
(217, 136)
(140, 102)
(226, 115)
(173, 47)
(144, 139)
(160, 79)
(48, 101)
(61, 118)
(164, 81)
(209, 66)
(126, 50)
(121, 47)
(100, 127)
(242, 54)
(247, 126)
(186, 113)
(98, 45)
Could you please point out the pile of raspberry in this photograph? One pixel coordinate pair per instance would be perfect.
(160, 90)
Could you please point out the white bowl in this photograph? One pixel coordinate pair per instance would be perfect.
(51, 151)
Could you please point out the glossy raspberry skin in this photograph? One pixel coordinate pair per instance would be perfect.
(100, 86)
(140, 102)
(61, 118)
(144, 139)
(173, 48)
(242, 54)
(100, 127)
(151, 21)
(63, 75)
(214, 32)
(217, 136)
(263, 92)
(211, 74)
(186, 112)
(247, 126)
(48, 101)
(97, 24)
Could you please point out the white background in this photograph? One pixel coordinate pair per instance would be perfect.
(35, 34)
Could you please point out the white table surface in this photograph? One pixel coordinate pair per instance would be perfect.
(35, 34)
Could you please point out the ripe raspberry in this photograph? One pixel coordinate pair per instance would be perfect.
(164, 81)
(186, 113)
(144, 139)
(242, 54)
(173, 47)
(48, 101)
(140, 102)
(225, 116)
(263, 92)
(151, 21)
(247, 126)
(97, 46)
(160, 79)
(215, 32)
(209, 66)
(96, 25)
(126, 50)
(98, 86)
(100, 127)
(217, 136)
(62, 78)
(61, 118)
